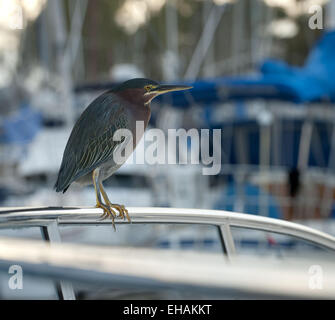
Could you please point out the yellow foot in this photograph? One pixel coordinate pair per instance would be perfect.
(108, 213)
(123, 212)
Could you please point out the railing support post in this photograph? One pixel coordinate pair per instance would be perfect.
(227, 240)
(51, 233)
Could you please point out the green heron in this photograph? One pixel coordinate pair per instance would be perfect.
(90, 150)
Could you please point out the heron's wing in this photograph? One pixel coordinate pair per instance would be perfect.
(91, 141)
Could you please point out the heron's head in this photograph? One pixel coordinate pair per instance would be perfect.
(145, 90)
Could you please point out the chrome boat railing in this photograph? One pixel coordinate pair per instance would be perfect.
(49, 218)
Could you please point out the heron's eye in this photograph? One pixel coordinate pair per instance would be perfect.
(148, 87)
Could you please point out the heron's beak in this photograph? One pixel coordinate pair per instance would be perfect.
(168, 88)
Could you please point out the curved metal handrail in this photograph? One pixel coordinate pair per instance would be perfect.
(154, 269)
(20, 217)
(48, 219)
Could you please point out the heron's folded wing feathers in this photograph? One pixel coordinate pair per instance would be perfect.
(91, 141)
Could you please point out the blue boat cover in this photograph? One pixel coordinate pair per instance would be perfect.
(312, 82)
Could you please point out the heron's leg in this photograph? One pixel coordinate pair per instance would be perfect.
(121, 208)
(108, 212)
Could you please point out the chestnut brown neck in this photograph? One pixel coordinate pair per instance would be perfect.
(136, 97)
(137, 104)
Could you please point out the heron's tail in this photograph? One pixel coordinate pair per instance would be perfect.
(62, 183)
